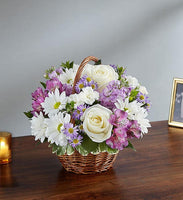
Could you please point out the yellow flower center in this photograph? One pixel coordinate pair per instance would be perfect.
(70, 130)
(93, 86)
(142, 97)
(57, 104)
(75, 141)
(78, 112)
(59, 127)
(125, 109)
(88, 79)
(81, 127)
(69, 81)
(83, 109)
(81, 85)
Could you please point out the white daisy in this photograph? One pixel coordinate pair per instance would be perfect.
(143, 90)
(69, 75)
(144, 123)
(55, 126)
(132, 81)
(54, 102)
(77, 98)
(38, 127)
(130, 107)
(135, 112)
(88, 95)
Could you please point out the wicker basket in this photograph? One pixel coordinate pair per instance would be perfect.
(89, 164)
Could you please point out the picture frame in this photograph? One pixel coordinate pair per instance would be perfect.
(176, 105)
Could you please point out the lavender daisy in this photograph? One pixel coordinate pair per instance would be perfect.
(70, 131)
(79, 111)
(76, 141)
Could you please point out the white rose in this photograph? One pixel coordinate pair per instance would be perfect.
(102, 74)
(96, 123)
(143, 90)
(132, 81)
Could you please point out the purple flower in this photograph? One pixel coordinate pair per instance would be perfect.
(85, 81)
(118, 140)
(79, 86)
(114, 67)
(144, 99)
(52, 75)
(81, 129)
(76, 141)
(134, 129)
(119, 118)
(93, 84)
(59, 70)
(52, 84)
(70, 131)
(112, 92)
(79, 111)
(38, 93)
(68, 89)
(38, 97)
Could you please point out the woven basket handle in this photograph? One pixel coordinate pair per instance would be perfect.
(80, 69)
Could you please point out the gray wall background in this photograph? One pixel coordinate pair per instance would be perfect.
(145, 36)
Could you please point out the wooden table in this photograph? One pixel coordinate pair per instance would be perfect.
(155, 171)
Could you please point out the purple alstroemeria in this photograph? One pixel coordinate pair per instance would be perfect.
(38, 93)
(134, 129)
(119, 118)
(118, 140)
(38, 97)
(52, 84)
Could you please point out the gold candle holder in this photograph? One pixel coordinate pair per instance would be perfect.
(5, 147)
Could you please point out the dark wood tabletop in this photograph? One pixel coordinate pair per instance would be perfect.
(155, 171)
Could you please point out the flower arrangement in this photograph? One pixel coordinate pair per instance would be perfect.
(102, 110)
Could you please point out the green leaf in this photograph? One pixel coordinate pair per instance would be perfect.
(81, 150)
(112, 151)
(120, 71)
(103, 147)
(43, 84)
(28, 114)
(61, 150)
(72, 104)
(46, 75)
(69, 150)
(133, 95)
(130, 146)
(98, 62)
(89, 145)
(67, 65)
(54, 148)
